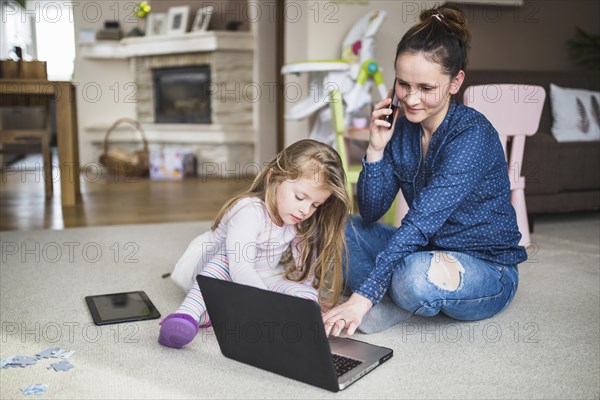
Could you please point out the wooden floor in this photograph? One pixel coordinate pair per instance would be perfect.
(105, 202)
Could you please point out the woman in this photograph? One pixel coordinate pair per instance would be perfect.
(456, 251)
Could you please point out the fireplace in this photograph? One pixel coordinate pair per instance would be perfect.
(182, 94)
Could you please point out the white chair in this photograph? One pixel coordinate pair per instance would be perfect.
(515, 112)
(353, 75)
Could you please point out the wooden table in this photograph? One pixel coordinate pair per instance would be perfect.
(66, 126)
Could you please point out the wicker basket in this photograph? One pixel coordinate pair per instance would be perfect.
(123, 162)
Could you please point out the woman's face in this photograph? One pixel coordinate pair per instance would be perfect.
(424, 90)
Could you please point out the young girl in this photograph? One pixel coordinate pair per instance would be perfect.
(457, 249)
(294, 212)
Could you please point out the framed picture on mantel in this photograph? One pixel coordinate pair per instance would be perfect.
(202, 18)
(177, 20)
(157, 24)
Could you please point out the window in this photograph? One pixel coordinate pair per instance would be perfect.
(44, 30)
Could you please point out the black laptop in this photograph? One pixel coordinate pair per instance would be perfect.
(285, 335)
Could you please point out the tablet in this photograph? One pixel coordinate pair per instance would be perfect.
(121, 307)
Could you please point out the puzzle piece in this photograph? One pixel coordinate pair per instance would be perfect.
(21, 361)
(48, 352)
(65, 354)
(58, 353)
(36, 389)
(61, 366)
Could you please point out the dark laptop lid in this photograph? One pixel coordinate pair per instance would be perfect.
(269, 330)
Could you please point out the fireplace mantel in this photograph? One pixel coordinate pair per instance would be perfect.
(192, 42)
(231, 137)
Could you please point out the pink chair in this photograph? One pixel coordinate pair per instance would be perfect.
(515, 112)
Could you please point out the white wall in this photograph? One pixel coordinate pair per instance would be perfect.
(103, 94)
(265, 75)
(296, 48)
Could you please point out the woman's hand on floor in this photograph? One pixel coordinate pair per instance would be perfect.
(347, 316)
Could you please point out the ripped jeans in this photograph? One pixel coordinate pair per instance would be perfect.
(428, 282)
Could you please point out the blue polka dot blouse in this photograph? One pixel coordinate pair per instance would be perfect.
(459, 195)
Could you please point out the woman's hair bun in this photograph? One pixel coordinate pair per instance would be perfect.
(442, 35)
(449, 17)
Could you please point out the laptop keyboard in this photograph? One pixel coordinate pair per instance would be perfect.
(344, 364)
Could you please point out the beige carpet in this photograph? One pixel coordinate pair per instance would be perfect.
(544, 346)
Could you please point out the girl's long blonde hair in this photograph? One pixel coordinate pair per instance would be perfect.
(321, 242)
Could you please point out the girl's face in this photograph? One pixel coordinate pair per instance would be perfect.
(297, 200)
(424, 90)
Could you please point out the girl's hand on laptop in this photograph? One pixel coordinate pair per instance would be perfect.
(347, 316)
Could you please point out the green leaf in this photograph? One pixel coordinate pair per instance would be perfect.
(585, 48)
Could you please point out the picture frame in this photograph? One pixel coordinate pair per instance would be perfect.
(156, 24)
(202, 19)
(177, 20)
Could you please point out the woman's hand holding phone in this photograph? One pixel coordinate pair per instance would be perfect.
(383, 119)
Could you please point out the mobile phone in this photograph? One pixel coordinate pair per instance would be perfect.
(393, 105)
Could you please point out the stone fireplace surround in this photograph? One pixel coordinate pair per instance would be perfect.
(225, 145)
(231, 74)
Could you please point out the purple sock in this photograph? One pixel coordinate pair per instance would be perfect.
(177, 330)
